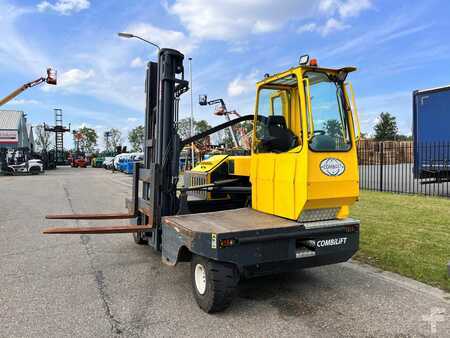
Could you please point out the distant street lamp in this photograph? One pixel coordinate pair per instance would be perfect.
(129, 36)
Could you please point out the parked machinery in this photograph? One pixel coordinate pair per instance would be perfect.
(285, 206)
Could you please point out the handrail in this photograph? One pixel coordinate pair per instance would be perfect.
(355, 111)
(309, 110)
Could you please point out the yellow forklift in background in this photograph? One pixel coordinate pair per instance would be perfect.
(283, 207)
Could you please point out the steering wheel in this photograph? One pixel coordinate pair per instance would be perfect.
(319, 132)
(263, 119)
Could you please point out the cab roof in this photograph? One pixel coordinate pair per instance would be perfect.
(285, 73)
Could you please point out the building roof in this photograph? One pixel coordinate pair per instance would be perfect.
(10, 119)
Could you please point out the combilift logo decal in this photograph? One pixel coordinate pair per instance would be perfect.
(331, 242)
(332, 167)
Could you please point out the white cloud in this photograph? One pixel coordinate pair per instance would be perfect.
(64, 7)
(309, 27)
(74, 77)
(137, 63)
(17, 102)
(344, 8)
(228, 20)
(242, 85)
(396, 27)
(331, 25)
(17, 51)
(163, 37)
(132, 119)
(265, 26)
(232, 20)
(353, 7)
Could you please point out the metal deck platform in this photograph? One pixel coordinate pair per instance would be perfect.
(235, 220)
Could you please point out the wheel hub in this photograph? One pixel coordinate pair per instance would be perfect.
(200, 278)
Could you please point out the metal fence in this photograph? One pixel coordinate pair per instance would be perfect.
(405, 167)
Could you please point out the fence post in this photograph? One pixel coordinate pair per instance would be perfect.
(381, 165)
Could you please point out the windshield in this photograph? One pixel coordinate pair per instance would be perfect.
(329, 117)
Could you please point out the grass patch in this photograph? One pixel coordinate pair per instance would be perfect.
(409, 235)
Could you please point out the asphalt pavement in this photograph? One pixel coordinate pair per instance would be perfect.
(105, 285)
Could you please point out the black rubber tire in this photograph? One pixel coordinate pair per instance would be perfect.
(137, 237)
(221, 283)
(34, 170)
(10, 172)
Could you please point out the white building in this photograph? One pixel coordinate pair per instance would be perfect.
(14, 132)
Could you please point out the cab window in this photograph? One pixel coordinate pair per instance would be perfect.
(330, 130)
(273, 116)
(273, 133)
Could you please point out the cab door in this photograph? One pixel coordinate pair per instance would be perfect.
(278, 165)
(332, 158)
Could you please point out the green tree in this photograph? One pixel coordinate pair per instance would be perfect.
(201, 126)
(136, 138)
(386, 128)
(184, 127)
(42, 138)
(88, 140)
(333, 128)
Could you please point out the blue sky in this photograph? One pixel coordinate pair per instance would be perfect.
(397, 46)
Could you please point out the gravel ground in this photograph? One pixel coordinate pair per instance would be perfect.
(105, 285)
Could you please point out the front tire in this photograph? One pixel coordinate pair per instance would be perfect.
(214, 283)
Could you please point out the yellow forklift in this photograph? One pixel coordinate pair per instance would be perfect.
(283, 207)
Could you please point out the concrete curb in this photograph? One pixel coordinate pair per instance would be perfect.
(404, 282)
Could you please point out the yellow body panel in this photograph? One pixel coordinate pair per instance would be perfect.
(241, 165)
(279, 183)
(209, 164)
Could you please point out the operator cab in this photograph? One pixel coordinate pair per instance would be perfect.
(303, 163)
(326, 102)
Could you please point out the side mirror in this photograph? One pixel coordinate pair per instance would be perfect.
(203, 100)
(342, 75)
(51, 76)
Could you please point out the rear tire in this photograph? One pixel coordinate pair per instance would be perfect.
(213, 283)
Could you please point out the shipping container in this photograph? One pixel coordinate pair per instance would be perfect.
(431, 131)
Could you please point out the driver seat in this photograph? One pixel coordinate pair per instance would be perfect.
(281, 138)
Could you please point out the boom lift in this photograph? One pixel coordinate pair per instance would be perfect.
(50, 79)
(221, 111)
(284, 207)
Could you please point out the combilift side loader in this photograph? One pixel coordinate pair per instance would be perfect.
(283, 207)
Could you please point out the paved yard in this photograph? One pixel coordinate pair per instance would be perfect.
(105, 285)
